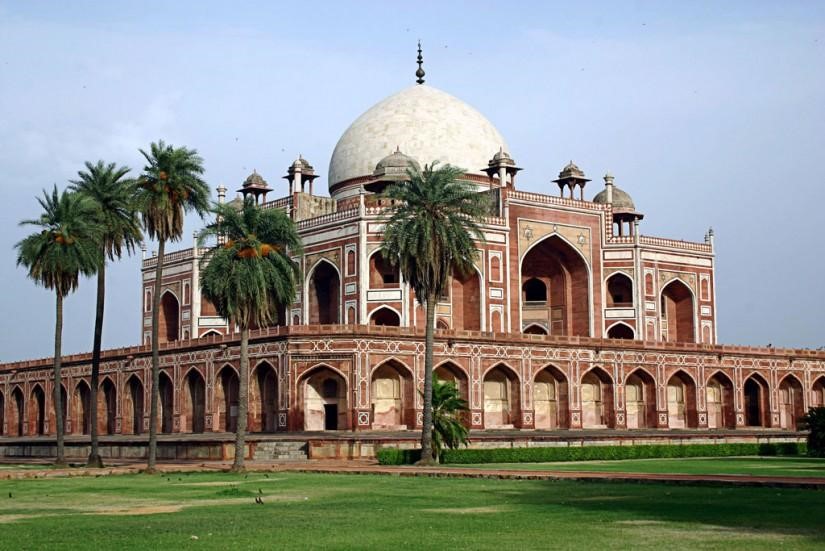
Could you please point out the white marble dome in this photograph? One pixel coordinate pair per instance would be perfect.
(425, 124)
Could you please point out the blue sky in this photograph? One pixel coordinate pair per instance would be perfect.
(708, 114)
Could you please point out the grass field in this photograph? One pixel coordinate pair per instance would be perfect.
(217, 511)
(755, 466)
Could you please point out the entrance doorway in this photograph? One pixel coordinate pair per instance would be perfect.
(330, 416)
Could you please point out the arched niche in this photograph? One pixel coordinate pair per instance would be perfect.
(448, 371)
(502, 398)
(681, 401)
(465, 291)
(263, 399)
(640, 400)
(227, 392)
(193, 407)
(720, 403)
(597, 400)
(323, 397)
(535, 329)
(619, 291)
(757, 401)
(37, 412)
(106, 407)
(385, 316)
(677, 312)
(791, 402)
(818, 392)
(169, 318)
(381, 273)
(620, 331)
(166, 395)
(564, 273)
(133, 400)
(393, 395)
(550, 399)
(16, 423)
(81, 408)
(324, 290)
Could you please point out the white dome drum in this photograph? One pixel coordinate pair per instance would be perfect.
(426, 124)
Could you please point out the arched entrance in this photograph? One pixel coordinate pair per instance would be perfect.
(263, 399)
(620, 331)
(166, 391)
(2, 413)
(193, 414)
(382, 275)
(721, 413)
(227, 398)
(597, 400)
(37, 414)
(502, 398)
(133, 406)
(169, 318)
(449, 371)
(681, 401)
(550, 399)
(791, 402)
(557, 267)
(81, 408)
(17, 413)
(677, 312)
(757, 404)
(619, 291)
(106, 407)
(818, 393)
(466, 301)
(385, 316)
(534, 329)
(324, 396)
(393, 406)
(640, 400)
(324, 289)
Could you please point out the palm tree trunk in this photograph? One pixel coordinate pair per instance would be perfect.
(427, 428)
(58, 406)
(94, 459)
(243, 406)
(153, 408)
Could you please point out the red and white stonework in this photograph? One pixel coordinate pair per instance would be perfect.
(571, 319)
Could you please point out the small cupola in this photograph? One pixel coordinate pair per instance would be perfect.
(571, 177)
(299, 174)
(625, 216)
(255, 186)
(503, 166)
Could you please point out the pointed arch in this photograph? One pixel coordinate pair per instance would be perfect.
(323, 289)
(392, 396)
(381, 274)
(678, 311)
(385, 315)
(453, 372)
(106, 406)
(263, 398)
(640, 399)
(133, 405)
(166, 402)
(211, 333)
(720, 402)
(16, 423)
(37, 413)
(2, 413)
(81, 407)
(551, 401)
(597, 399)
(322, 397)
(535, 329)
(818, 392)
(193, 402)
(502, 397)
(791, 402)
(681, 401)
(169, 317)
(621, 330)
(566, 274)
(227, 395)
(619, 289)
(757, 401)
(467, 300)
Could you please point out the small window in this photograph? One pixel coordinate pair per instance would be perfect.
(534, 290)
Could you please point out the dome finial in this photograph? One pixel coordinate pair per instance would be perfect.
(420, 72)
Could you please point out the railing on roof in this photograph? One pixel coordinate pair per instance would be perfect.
(328, 218)
(675, 244)
(553, 200)
(169, 258)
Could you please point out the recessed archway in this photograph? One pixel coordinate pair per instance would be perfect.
(263, 399)
(227, 393)
(2, 413)
(677, 312)
(106, 407)
(133, 398)
(385, 316)
(791, 402)
(640, 400)
(619, 291)
(166, 391)
(681, 401)
(564, 273)
(193, 412)
(466, 300)
(169, 317)
(621, 331)
(81, 408)
(597, 400)
(382, 274)
(324, 290)
(323, 394)
(757, 402)
(550, 399)
(448, 371)
(818, 393)
(16, 423)
(721, 412)
(393, 392)
(502, 398)
(37, 414)
(535, 329)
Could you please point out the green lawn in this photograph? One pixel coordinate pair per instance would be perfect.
(757, 466)
(371, 512)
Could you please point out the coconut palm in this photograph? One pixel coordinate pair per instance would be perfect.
(107, 186)
(249, 276)
(430, 234)
(169, 187)
(448, 407)
(67, 245)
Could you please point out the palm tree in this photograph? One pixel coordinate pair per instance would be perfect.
(169, 187)
(448, 406)
(249, 278)
(67, 246)
(106, 186)
(430, 234)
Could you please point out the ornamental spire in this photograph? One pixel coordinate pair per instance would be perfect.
(420, 72)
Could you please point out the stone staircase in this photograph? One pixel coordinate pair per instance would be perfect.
(280, 450)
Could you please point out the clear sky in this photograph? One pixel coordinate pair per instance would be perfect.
(708, 114)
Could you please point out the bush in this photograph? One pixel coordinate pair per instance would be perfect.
(394, 456)
(814, 421)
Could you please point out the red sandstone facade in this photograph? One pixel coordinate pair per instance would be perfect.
(572, 319)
